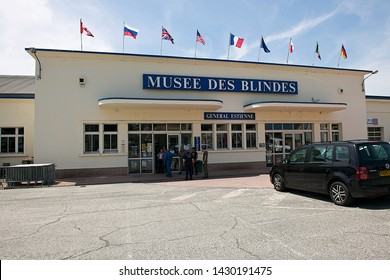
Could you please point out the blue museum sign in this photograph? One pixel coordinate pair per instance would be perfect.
(171, 82)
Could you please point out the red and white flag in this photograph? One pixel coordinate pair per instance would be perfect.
(291, 47)
(83, 29)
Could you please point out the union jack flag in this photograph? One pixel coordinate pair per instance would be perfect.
(166, 36)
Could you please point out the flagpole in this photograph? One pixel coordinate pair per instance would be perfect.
(196, 42)
(258, 58)
(314, 55)
(81, 34)
(288, 51)
(229, 46)
(338, 64)
(161, 40)
(123, 33)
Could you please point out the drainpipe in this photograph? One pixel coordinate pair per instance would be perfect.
(38, 71)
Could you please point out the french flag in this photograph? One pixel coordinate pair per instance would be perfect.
(236, 41)
(130, 31)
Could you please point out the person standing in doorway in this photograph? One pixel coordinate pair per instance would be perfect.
(194, 157)
(181, 157)
(168, 162)
(204, 161)
(160, 161)
(188, 162)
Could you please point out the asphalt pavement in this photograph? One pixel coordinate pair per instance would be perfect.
(231, 218)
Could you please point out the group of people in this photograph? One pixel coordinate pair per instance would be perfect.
(189, 160)
(187, 163)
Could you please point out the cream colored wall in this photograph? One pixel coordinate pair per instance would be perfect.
(18, 113)
(380, 109)
(62, 106)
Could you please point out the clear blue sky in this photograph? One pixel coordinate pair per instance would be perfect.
(362, 26)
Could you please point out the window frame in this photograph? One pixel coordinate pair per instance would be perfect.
(92, 135)
(110, 137)
(15, 139)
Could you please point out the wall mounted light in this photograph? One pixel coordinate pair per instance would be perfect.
(82, 81)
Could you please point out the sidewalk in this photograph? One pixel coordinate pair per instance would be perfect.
(240, 178)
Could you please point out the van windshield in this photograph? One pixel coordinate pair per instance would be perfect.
(374, 151)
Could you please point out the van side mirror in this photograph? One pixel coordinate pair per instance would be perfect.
(286, 160)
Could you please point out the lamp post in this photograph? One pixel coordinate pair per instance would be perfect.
(372, 73)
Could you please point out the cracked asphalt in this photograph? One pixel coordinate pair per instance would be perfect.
(188, 220)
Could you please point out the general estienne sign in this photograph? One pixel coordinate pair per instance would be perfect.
(171, 82)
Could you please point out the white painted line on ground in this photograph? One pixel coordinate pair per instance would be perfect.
(183, 197)
(274, 199)
(234, 193)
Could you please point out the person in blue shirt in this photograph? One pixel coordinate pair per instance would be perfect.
(168, 162)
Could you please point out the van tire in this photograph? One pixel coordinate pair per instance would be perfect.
(278, 182)
(340, 194)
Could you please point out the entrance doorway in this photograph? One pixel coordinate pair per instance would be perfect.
(280, 144)
(168, 142)
(147, 139)
(160, 144)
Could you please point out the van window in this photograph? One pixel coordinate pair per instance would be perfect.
(376, 151)
(342, 154)
(298, 156)
(318, 153)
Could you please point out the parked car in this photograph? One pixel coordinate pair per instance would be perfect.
(344, 170)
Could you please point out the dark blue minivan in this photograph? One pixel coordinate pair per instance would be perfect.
(345, 170)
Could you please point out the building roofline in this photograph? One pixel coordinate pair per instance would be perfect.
(377, 97)
(31, 50)
(17, 95)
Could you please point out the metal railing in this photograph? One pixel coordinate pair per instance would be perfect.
(43, 174)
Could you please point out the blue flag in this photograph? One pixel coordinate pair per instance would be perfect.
(264, 46)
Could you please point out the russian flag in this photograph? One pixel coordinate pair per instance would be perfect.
(236, 41)
(130, 31)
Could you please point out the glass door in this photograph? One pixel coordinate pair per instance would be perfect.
(134, 154)
(280, 144)
(146, 153)
(174, 147)
(292, 141)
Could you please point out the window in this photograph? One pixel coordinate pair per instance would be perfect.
(342, 154)
(380, 151)
(318, 154)
(236, 136)
(288, 126)
(324, 127)
(134, 126)
(146, 127)
(91, 138)
(222, 136)
(251, 136)
(207, 136)
(375, 133)
(110, 135)
(12, 140)
(335, 132)
(173, 127)
(186, 127)
(327, 129)
(298, 156)
(159, 127)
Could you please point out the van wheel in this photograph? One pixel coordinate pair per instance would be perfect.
(278, 183)
(339, 193)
